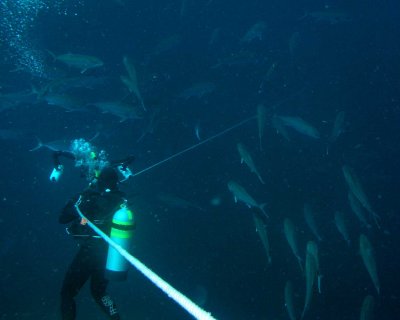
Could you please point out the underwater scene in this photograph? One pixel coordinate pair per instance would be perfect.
(260, 144)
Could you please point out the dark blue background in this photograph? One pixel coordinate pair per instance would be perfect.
(351, 66)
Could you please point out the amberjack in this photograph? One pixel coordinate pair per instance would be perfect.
(248, 160)
(357, 189)
(367, 254)
(263, 234)
(240, 194)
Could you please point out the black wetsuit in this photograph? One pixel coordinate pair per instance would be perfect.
(90, 261)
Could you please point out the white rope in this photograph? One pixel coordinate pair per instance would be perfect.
(174, 294)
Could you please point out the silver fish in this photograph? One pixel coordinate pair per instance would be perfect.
(357, 208)
(178, 202)
(198, 90)
(290, 234)
(118, 109)
(341, 225)
(328, 16)
(310, 219)
(357, 189)
(313, 249)
(300, 126)
(289, 304)
(263, 234)
(278, 125)
(248, 160)
(338, 127)
(240, 194)
(79, 61)
(131, 81)
(256, 32)
(368, 258)
(367, 308)
(64, 101)
(56, 145)
(261, 121)
(311, 272)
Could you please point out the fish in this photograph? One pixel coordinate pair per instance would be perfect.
(278, 125)
(310, 219)
(64, 84)
(121, 110)
(238, 60)
(177, 202)
(341, 225)
(64, 101)
(248, 160)
(313, 249)
(56, 145)
(368, 258)
(290, 234)
(131, 81)
(338, 126)
(289, 304)
(367, 308)
(12, 100)
(357, 189)
(240, 194)
(327, 16)
(64, 145)
(300, 126)
(263, 234)
(357, 208)
(261, 121)
(152, 123)
(167, 44)
(79, 61)
(197, 90)
(197, 131)
(311, 272)
(256, 32)
(268, 77)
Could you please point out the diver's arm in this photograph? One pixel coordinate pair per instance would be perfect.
(69, 213)
(58, 154)
(123, 162)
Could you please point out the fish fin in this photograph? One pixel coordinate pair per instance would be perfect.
(83, 71)
(241, 160)
(38, 146)
(234, 198)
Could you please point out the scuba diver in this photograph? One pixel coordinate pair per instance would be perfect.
(99, 203)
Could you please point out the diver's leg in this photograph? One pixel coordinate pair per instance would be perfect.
(98, 286)
(76, 276)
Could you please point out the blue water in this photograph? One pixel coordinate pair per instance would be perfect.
(198, 65)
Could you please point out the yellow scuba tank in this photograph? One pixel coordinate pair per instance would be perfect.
(122, 228)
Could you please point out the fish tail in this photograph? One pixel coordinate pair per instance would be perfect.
(95, 136)
(376, 219)
(260, 178)
(52, 54)
(262, 208)
(300, 264)
(38, 146)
